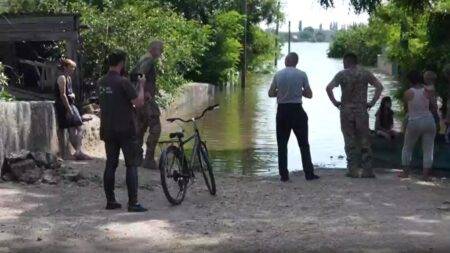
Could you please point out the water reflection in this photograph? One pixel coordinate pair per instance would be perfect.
(241, 134)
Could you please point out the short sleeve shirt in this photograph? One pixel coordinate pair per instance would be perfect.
(117, 113)
(289, 84)
(354, 85)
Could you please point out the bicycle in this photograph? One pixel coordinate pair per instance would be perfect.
(174, 166)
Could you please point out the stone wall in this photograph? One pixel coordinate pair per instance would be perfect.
(27, 125)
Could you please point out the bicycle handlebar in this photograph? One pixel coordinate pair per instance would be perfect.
(209, 108)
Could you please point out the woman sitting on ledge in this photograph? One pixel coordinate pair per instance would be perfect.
(66, 112)
(385, 119)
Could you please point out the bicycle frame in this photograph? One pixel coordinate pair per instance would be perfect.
(196, 137)
(197, 141)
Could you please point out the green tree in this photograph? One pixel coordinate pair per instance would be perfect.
(131, 27)
(307, 34)
(221, 60)
(359, 40)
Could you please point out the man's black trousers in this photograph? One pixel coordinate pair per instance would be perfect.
(132, 153)
(292, 117)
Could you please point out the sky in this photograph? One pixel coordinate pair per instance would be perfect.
(313, 14)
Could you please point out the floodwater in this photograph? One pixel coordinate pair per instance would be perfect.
(241, 137)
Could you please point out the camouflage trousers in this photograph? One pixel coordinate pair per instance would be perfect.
(148, 118)
(355, 128)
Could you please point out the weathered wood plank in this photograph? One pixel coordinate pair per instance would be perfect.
(7, 28)
(25, 19)
(38, 36)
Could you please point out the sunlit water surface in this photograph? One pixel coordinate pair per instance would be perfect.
(241, 134)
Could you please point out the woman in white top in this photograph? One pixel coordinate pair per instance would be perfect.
(420, 124)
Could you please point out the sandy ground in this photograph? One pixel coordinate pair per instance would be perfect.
(249, 214)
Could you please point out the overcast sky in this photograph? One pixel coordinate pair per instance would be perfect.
(313, 14)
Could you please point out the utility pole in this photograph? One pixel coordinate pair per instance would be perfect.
(276, 37)
(244, 55)
(289, 39)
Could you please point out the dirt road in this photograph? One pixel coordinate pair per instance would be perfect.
(257, 214)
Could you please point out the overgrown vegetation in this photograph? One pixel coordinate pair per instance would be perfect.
(203, 38)
(4, 95)
(359, 39)
(413, 39)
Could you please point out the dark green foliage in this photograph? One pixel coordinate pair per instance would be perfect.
(417, 40)
(205, 10)
(356, 39)
(131, 27)
(222, 59)
(371, 5)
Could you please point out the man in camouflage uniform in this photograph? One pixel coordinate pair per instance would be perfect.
(148, 115)
(354, 114)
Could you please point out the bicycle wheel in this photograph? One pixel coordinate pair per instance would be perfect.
(206, 169)
(173, 179)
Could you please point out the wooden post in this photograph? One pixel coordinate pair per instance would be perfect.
(289, 39)
(244, 55)
(276, 38)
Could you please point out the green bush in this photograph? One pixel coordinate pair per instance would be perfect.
(356, 39)
(262, 50)
(131, 28)
(222, 59)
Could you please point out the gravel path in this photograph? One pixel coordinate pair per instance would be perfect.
(249, 214)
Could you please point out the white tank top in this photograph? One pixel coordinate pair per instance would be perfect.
(419, 106)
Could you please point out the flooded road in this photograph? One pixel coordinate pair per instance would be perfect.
(241, 134)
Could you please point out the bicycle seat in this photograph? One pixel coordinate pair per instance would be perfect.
(178, 135)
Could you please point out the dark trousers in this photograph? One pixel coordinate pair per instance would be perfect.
(133, 157)
(293, 117)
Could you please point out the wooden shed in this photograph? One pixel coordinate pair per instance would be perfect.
(19, 28)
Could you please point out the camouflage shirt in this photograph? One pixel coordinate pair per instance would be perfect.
(147, 66)
(354, 85)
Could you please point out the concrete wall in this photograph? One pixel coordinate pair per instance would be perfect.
(32, 125)
(190, 101)
(27, 125)
(190, 97)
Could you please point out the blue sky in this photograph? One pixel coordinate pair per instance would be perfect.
(313, 14)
